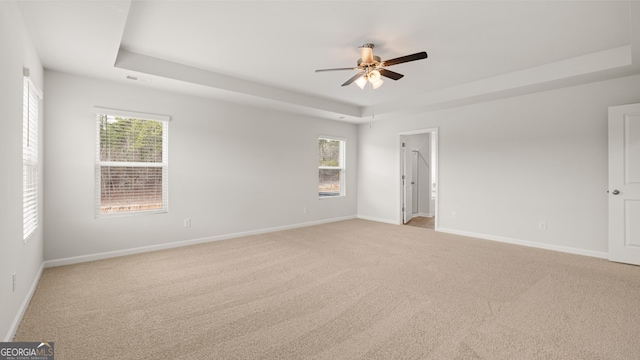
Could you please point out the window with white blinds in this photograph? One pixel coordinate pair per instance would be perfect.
(30, 104)
(331, 167)
(131, 164)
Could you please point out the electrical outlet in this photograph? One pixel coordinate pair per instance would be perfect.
(14, 279)
(187, 222)
(454, 215)
(305, 210)
(542, 225)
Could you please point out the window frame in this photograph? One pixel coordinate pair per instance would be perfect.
(99, 164)
(342, 167)
(31, 98)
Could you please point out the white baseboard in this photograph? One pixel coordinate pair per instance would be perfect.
(23, 307)
(560, 248)
(393, 222)
(143, 249)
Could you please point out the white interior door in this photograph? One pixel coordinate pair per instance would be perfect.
(624, 184)
(415, 182)
(406, 184)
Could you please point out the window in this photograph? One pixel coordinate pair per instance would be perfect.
(131, 163)
(30, 103)
(331, 167)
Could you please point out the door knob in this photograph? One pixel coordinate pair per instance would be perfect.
(615, 192)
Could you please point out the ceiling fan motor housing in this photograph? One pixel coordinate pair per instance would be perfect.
(366, 55)
(376, 62)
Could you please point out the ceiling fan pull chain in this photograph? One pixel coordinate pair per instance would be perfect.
(373, 103)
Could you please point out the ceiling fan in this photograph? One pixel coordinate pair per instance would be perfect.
(371, 68)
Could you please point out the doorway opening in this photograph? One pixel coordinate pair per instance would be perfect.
(418, 172)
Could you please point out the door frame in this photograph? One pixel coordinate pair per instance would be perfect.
(433, 133)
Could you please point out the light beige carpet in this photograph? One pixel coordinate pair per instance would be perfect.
(348, 290)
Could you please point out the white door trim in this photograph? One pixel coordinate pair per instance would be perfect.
(434, 149)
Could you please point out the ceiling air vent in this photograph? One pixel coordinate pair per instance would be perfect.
(135, 78)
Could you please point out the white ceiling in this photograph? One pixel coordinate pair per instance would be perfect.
(264, 53)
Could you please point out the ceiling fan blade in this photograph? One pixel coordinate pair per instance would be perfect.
(390, 74)
(336, 69)
(354, 78)
(404, 59)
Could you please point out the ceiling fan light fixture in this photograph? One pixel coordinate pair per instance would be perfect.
(377, 84)
(374, 76)
(361, 82)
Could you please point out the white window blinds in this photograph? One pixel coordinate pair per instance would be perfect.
(131, 163)
(30, 104)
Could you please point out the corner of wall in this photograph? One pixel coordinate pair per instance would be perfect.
(21, 262)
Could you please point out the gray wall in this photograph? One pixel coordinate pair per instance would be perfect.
(232, 170)
(508, 164)
(23, 259)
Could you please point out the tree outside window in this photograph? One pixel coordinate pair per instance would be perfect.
(331, 167)
(131, 167)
